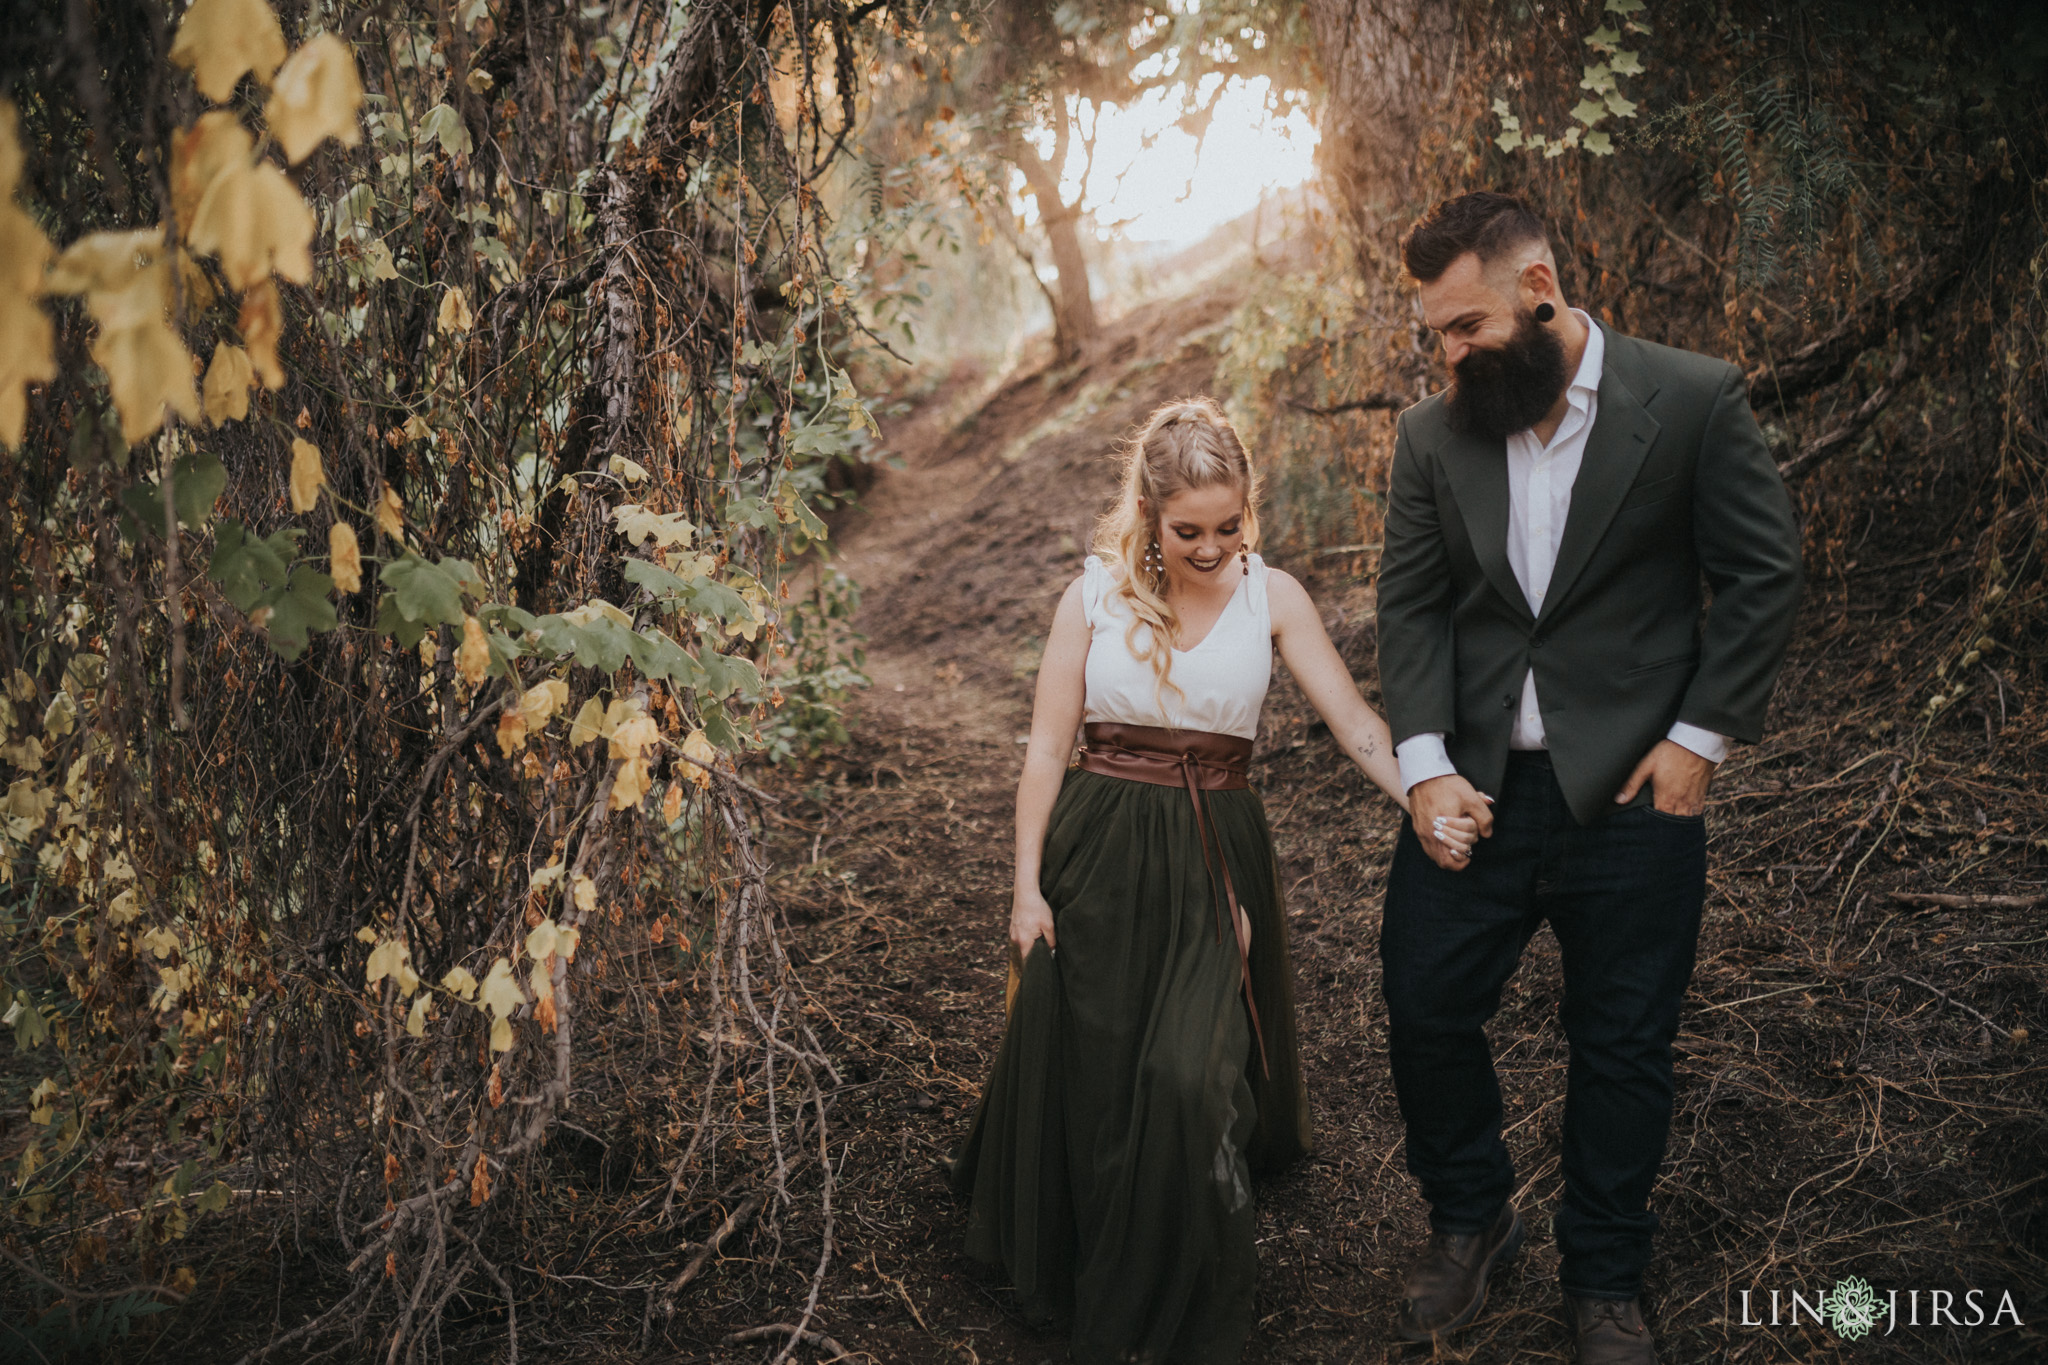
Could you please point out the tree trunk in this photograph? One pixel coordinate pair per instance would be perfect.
(1073, 314)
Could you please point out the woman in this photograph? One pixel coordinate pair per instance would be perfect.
(1150, 1061)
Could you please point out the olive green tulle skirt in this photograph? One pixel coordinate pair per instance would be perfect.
(1109, 1162)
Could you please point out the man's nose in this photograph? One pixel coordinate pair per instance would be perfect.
(1454, 351)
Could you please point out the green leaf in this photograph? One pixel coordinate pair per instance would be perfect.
(1624, 7)
(248, 570)
(1626, 64)
(725, 674)
(301, 610)
(217, 1197)
(1598, 78)
(1622, 105)
(659, 657)
(199, 479)
(1589, 112)
(499, 614)
(1509, 140)
(395, 623)
(1599, 144)
(1603, 39)
(443, 125)
(427, 592)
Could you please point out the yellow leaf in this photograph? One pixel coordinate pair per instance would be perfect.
(416, 1020)
(629, 788)
(460, 981)
(262, 324)
(540, 945)
(124, 908)
(316, 96)
(546, 877)
(225, 394)
(473, 656)
(385, 960)
(501, 1035)
(254, 219)
(699, 756)
(500, 993)
(161, 942)
(220, 39)
(60, 717)
(587, 724)
(634, 737)
(215, 145)
(344, 558)
(382, 267)
(27, 352)
(366, 935)
(540, 702)
(125, 278)
(307, 476)
(672, 802)
(585, 894)
(454, 311)
(390, 515)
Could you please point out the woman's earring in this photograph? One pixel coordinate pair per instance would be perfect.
(1244, 557)
(1155, 563)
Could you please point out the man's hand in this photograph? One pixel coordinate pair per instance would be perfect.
(1678, 779)
(1464, 815)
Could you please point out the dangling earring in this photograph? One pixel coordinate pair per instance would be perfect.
(1244, 557)
(1155, 563)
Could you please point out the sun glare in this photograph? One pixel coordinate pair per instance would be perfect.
(1150, 182)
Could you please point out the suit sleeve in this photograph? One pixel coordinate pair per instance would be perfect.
(1417, 660)
(1749, 546)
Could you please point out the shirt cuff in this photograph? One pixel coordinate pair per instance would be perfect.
(1705, 743)
(1422, 757)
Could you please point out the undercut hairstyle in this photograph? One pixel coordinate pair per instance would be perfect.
(1484, 221)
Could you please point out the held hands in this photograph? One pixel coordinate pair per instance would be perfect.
(1030, 920)
(1678, 779)
(1450, 819)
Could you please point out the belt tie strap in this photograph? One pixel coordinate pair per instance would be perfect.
(1137, 753)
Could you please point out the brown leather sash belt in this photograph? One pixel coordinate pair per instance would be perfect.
(1201, 762)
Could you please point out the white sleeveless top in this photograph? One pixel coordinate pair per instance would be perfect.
(1222, 681)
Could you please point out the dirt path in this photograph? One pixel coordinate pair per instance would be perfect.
(897, 846)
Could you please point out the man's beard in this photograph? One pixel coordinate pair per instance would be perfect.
(1502, 390)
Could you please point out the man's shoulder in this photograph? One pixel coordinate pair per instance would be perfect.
(1426, 423)
(1645, 365)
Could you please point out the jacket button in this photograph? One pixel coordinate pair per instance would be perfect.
(1537, 643)
(1507, 703)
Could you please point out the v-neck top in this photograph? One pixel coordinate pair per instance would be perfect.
(1218, 686)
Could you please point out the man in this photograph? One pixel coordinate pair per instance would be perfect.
(1551, 518)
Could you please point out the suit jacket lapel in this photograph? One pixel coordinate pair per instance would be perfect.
(1478, 472)
(1615, 449)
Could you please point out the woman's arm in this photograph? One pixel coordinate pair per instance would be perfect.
(1055, 716)
(1326, 682)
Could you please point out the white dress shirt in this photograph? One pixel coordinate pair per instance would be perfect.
(1540, 478)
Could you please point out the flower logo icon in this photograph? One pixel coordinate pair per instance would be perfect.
(1851, 1308)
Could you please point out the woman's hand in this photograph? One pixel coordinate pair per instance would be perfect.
(1459, 835)
(1030, 921)
(1244, 933)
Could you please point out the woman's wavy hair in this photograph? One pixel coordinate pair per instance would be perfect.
(1184, 444)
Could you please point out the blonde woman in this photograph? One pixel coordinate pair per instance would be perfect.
(1149, 1063)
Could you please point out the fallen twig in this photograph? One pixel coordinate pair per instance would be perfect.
(1967, 1009)
(1949, 901)
(796, 1335)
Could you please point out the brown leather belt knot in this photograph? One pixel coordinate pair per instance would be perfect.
(1201, 762)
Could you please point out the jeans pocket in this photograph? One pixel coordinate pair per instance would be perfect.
(1699, 819)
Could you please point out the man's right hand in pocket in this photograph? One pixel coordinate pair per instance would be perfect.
(1449, 798)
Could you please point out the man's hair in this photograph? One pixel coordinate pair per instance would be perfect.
(1484, 221)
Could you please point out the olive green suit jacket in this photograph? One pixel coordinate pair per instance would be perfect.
(1677, 492)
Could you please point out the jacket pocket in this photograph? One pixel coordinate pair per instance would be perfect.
(1656, 490)
(1663, 665)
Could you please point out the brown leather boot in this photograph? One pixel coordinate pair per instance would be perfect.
(1609, 1331)
(1445, 1287)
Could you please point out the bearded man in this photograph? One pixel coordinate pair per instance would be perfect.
(1552, 518)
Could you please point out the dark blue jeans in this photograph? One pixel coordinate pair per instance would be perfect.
(1623, 898)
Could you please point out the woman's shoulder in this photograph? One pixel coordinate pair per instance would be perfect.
(1285, 596)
